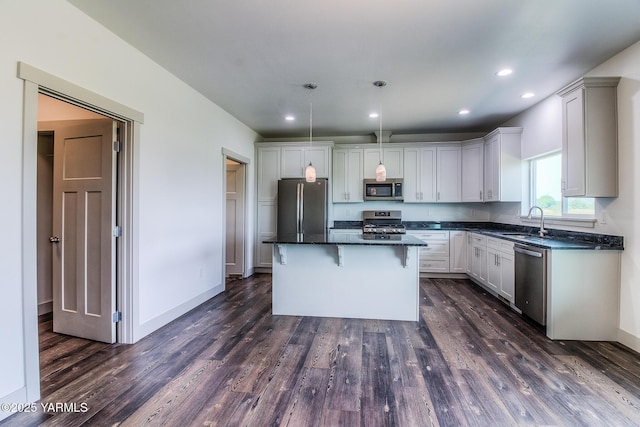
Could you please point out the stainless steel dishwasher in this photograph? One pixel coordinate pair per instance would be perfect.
(531, 282)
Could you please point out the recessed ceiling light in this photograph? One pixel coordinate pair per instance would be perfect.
(289, 118)
(463, 112)
(504, 72)
(528, 95)
(373, 115)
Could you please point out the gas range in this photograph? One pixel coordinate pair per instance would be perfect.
(382, 222)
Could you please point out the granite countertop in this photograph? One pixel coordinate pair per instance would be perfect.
(555, 240)
(345, 239)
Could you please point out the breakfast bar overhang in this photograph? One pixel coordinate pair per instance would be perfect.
(346, 275)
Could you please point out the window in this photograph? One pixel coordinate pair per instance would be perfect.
(545, 182)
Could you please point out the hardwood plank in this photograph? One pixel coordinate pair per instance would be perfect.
(345, 383)
(307, 402)
(469, 360)
(378, 399)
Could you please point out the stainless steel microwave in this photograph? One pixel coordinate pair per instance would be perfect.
(391, 189)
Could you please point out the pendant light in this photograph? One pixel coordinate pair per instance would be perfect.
(381, 170)
(310, 171)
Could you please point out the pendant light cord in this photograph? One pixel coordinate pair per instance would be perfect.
(380, 113)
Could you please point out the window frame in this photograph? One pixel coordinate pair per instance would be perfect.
(564, 202)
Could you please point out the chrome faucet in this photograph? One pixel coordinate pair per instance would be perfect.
(542, 231)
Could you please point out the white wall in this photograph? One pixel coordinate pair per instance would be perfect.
(179, 193)
(620, 214)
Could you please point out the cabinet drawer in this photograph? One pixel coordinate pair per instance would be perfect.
(434, 265)
(433, 235)
(478, 239)
(500, 244)
(439, 249)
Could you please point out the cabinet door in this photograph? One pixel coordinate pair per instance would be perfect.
(493, 269)
(491, 169)
(411, 190)
(347, 176)
(268, 173)
(457, 252)
(473, 172)
(507, 276)
(393, 162)
(266, 230)
(319, 157)
(339, 186)
(573, 149)
(354, 176)
(294, 161)
(428, 178)
(470, 254)
(448, 174)
(479, 263)
(419, 175)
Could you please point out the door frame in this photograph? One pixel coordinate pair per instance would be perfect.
(37, 81)
(228, 154)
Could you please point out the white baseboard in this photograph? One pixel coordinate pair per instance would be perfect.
(156, 323)
(45, 307)
(250, 272)
(18, 396)
(629, 340)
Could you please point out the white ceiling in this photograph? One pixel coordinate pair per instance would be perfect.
(252, 57)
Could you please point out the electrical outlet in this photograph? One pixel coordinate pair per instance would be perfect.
(603, 218)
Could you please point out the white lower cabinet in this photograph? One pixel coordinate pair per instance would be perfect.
(457, 251)
(500, 267)
(435, 257)
(478, 258)
(446, 253)
(490, 262)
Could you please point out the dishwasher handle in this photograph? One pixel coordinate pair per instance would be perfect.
(527, 252)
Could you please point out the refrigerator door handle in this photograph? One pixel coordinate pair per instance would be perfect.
(301, 208)
(298, 208)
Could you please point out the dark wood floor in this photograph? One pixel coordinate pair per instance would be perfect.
(468, 361)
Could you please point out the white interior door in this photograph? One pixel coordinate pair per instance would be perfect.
(235, 219)
(83, 221)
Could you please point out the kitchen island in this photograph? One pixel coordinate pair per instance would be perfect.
(346, 275)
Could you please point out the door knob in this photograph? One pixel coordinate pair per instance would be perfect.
(54, 239)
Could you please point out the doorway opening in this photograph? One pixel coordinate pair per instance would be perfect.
(235, 219)
(76, 213)
(37, 82)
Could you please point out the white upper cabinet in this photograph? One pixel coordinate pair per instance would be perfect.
(448, 174)
(419, 174)
(268, 172)
(432, 174)
(590, 138)
(473, 171)
(347, 175)
(392, 159)
(503, 165)
(295, 159)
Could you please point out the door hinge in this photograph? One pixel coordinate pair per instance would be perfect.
(117, 231)
(117, 317)
(117, 146)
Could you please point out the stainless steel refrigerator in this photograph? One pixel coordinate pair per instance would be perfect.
(302, 206)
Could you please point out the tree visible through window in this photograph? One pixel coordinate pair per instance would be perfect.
(546, 177)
